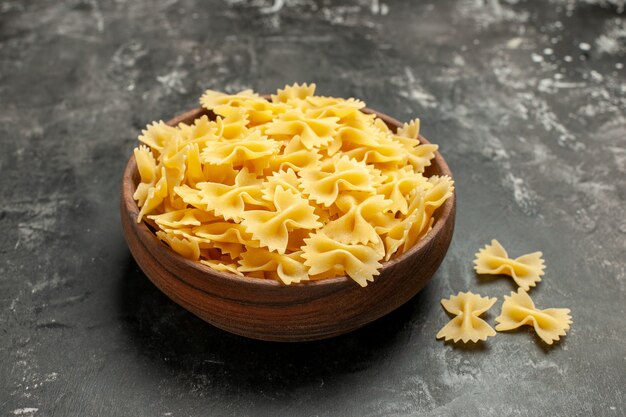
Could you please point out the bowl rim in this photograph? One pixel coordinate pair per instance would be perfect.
(443, 215)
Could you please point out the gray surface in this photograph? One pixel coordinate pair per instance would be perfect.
(537, 145)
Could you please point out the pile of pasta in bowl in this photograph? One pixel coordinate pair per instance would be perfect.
(293, 188)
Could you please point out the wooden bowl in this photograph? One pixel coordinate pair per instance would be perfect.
(268, 310)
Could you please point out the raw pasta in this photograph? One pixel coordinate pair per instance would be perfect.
(525, 270)
(466, 326)
(324, 254)
(289, 267)
(295, 188)
(518, 309)
(271, 227)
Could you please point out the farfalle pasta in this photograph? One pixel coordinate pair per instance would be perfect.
(466, 325)
(324, 182)
(293, 188)
(525, 270)
(323, 254)
(272, 227)
(519, 309)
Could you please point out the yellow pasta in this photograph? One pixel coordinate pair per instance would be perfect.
(147, 167)
(397, 186)
(154, 196)
(228, 201)
(230, 238)
(254, 150)
(157, 134)
(324, 182)
(346, 110)
(466, 326)
(222, 266)
(272, 227)
(518, 310)
(525, 270)
(173, 161)
(312, 132)
(182, 218)
(201, 131)
(419, 156)
(359, 262)
(289, 267)
(189, 248)
(194, 170)
(410, 130)
(287, 179)
(296, 159)
(294, 92)
(298, 187)
(211, 99)
(231, 124)
(354, 226)
(405, 233)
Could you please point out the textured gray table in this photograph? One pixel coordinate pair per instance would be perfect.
(526, 99)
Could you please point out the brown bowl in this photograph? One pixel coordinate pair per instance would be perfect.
(268, 310)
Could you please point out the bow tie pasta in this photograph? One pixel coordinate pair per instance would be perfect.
(293, 188)
(466, 325)
(519, 309)
(525, 270)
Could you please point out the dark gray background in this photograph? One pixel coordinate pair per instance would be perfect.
(526, 99)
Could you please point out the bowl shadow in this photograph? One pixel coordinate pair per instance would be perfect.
(174, 338)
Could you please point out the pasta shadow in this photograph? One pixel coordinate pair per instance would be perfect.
(527, 332)
(480, 346)
(174, 338)
(489, 279)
